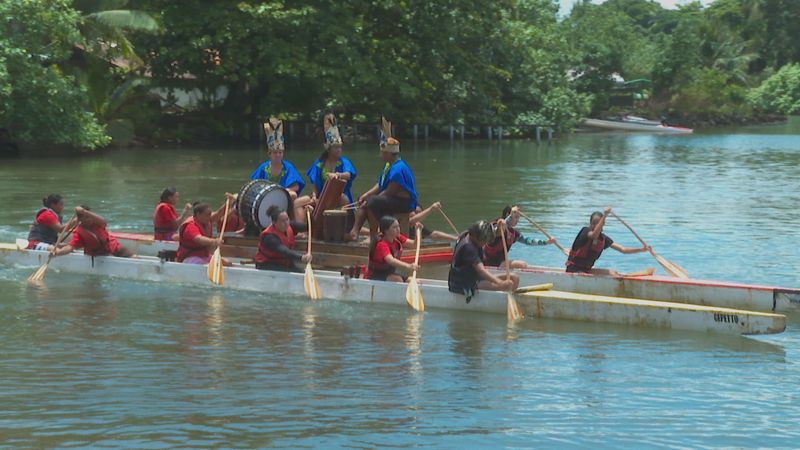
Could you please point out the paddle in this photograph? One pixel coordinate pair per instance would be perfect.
(309, 281)
(22, 244)
(672, 268)
(455, 230)
(539, 227)
(640, 273)
(215, 273)
(512, 309)
(413, 294)
(535, 287)
(39, 274)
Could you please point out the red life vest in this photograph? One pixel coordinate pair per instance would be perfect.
(96, 240)
(585, 256)
(396, 248)
(187, 246)
(235, 223)
(493, 252)
(163, 229)
(41, 233)
(266, 255)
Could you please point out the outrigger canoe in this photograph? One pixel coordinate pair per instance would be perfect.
(333, 286)
(655, 287)
(670, 289)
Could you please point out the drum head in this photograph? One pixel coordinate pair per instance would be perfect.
(272, 195)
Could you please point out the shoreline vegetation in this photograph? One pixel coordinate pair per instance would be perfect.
(75, 74)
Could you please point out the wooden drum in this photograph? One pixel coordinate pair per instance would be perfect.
(334, 225)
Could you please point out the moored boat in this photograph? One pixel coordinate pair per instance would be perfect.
(619, 125)
(333, 286)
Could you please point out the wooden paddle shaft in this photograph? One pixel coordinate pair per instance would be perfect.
(632, 230)
(505, 250)
(308, 218)
(455, 230)
(224, 220)
(419, 241)
(539, 227)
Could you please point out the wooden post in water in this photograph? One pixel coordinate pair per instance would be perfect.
(538, 134)
(426, 131)
(500, 134)
(489, 132)
(462, 132)
(452, 132)
(549, 134)
(415, 132)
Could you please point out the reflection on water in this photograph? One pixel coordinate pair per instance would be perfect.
(109, 363)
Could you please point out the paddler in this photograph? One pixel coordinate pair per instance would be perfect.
(331, 164)
(278, 170)
(493, 254)
(419, 215)
(385, 253)
(467, 272)
(46, 224)
(196, 242)
(590, 243)
(92, 236)
(165, 217)
(276, 244)
(393, 194)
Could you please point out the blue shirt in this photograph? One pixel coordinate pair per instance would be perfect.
(400, 173)
(289, 175)
(315, 175)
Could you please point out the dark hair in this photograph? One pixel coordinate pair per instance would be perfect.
(274, 212)
(199, 208)
(86, 207)
(595, 214)
(506, 212)
(384, 224)
(51, 200)
(167, 193)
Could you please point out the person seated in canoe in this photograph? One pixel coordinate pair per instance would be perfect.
(276, 244)
(235, 223)
(590, 243)
(467, 273)
(47, 223)
(493, 254)
(394, 193)
(195, 241)
(385, 253)
(92, 236)
(278, 170)
(165, 217)
(331, 164)
(419, 214)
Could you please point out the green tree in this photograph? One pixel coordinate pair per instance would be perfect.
(39, 103)
(779, 93)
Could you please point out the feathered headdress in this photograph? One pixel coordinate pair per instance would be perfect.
(273, 129)
(332, 136)
(388, 143)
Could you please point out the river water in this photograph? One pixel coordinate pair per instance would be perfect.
(93, 362)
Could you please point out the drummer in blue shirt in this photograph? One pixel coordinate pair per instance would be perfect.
(279, 171)
(394, 193)
(331, 164)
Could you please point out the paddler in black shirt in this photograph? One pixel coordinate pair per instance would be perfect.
(590, 243)
(467, 273)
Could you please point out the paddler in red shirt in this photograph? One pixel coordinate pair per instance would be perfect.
(195, 242)
(165, 217)
(91, 235)
(384, 256)
(46, 224)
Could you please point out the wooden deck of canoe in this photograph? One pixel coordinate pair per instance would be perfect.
(538, 304)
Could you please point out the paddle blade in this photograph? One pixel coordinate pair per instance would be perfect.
(21, 244)
(215, 272)
(512, 309)
(535, 287)
(672, 269)
(310, 283)
(640, 273)
(414, 295)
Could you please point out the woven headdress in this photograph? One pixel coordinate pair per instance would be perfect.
(273, 129)
(332, 136)
(388, 143)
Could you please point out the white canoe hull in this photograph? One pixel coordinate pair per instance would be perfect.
(669, 289)
(555, 304)
(661, 288)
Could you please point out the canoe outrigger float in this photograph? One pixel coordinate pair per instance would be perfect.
(333, 286)
(654, 287)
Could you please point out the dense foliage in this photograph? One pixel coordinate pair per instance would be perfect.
(72, 71)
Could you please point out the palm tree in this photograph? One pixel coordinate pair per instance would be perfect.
(105, 27)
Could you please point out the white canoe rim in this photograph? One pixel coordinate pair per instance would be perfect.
(616, 125)
(538, 304)
(655, 287)
(669, 289)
